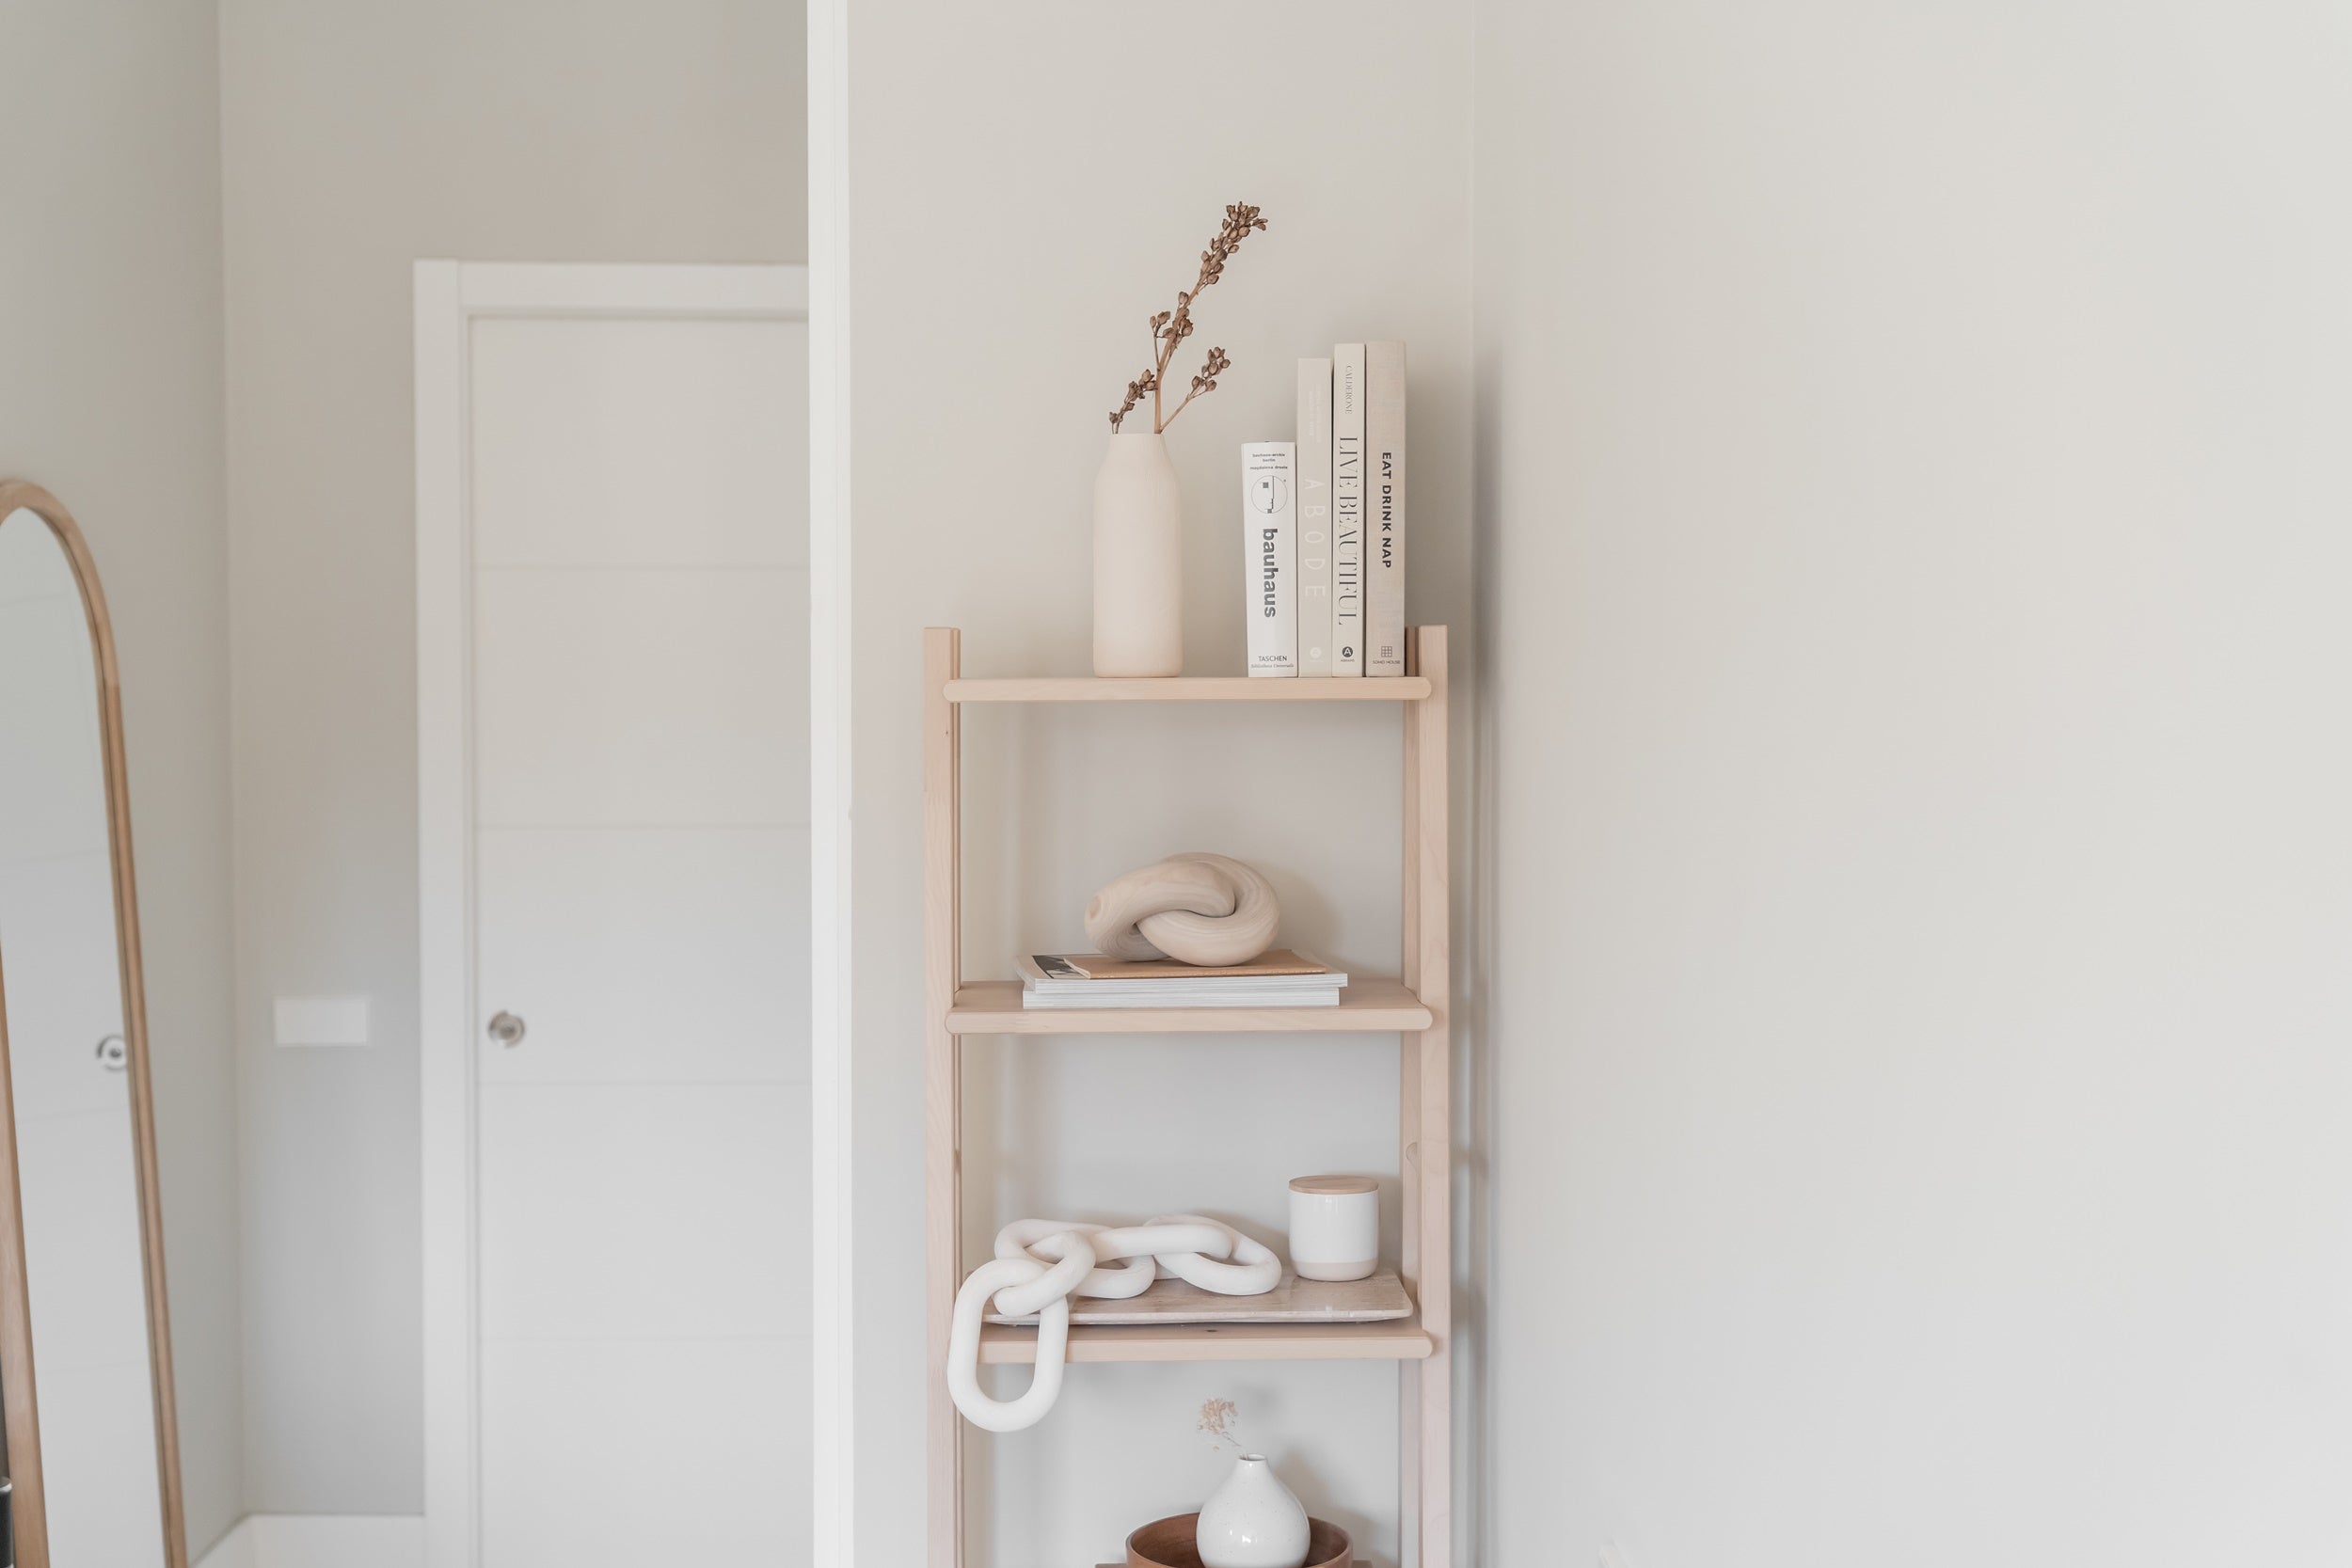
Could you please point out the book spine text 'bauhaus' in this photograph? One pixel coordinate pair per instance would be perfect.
(1269, 494)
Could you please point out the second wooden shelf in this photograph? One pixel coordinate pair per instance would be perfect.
(1402, 1339)
(1369, 1003)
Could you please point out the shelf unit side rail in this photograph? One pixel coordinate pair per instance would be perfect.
(942, 1087)
(1423, 1112)
(1426, 1095)
(1409, 1112)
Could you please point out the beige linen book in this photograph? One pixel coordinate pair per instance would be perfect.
(1384, 509)
(1314, 517)
(1347, 510)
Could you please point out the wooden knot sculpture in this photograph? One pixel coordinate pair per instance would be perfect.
(1206, 909)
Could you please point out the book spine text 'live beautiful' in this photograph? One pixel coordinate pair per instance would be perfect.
(1347, 510)
(1269, 496)
(1384, 509)
(1314, 516)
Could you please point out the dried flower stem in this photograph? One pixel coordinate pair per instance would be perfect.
(1149, 381)
(1216, 364)
(1170, 328)
(1217, 1420)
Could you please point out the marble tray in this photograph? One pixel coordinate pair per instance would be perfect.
(1374, 1299)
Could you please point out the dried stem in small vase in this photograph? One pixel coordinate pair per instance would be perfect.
(1217, 1420)
(1170, 328)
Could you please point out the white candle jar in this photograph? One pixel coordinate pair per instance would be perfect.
(1335, 1227)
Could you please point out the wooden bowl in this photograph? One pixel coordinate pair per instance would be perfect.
(1168, 1544)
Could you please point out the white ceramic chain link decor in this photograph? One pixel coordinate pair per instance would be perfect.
(1198, 908)
(1039, 1264)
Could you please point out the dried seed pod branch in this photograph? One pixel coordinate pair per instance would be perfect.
(1147, 382)
(1170, 328)
(1215, 366)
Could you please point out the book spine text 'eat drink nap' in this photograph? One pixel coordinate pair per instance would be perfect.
(1384, 509)
(1347, 510)
(1314, 516)
(1269, 492)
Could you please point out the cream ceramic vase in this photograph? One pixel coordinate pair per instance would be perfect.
(1138, 560)
(1252, 1521)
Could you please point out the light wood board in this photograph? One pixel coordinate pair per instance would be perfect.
(1399, 1340)
(1371, 1005)
(1189, 688)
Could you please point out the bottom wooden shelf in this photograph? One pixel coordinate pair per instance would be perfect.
(1399, 1340)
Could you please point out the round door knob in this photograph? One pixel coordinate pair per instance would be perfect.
(506, 1029)
(113, 1054)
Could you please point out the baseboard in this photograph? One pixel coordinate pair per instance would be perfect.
(233, 1550)
(320, 1540)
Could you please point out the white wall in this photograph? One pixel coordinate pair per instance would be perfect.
(1912, 533)
(358, 138)
(1027, 190)
(111, 343)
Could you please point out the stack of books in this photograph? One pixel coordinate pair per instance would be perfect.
(1280, 978)
(1323, 523)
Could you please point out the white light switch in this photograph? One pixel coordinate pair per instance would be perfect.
(321, 1021)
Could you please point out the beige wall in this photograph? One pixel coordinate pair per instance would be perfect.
(358, 137)
(1913, 508)
(1026, 191)
(110, 366)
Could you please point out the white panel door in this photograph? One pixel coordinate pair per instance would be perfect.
(639, 846)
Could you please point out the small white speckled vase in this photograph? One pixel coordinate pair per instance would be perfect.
(1252, 1521)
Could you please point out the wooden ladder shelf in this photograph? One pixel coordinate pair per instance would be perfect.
(1412, 1003)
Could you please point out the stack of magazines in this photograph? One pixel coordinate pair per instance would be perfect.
(1280, 978)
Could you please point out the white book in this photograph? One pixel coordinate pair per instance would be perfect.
(1314, 516)
(1050, 980)
(1269, 514)
(1323, 996)
(1347, 510)
(1384, 509)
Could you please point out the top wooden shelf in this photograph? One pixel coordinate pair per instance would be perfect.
(1191, 688)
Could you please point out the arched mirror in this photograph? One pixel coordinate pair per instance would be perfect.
(92, 1445)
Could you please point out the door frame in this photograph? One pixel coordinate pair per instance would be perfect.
(449, 296)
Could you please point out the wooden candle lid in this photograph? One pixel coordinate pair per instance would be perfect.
(1328, 1184)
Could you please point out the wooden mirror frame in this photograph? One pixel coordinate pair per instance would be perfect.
(18, 1398)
